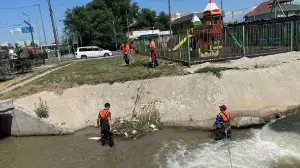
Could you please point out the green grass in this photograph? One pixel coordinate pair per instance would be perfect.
(107, 71)
(216, 71)
(92, 72)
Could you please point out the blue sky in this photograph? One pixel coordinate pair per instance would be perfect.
(14, 18)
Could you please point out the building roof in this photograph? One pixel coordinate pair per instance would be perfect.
(285, 8)
(260, 7)
(190, 17)
(281, 1)
(211, 6)
(187, 18)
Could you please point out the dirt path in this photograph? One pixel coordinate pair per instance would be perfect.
(17, 84)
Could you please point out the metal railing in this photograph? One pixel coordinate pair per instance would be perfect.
(234, 41)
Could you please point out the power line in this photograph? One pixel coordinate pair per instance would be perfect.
(21, 7)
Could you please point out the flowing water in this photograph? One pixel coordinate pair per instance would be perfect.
(276, 145)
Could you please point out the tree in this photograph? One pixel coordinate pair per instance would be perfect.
(162, 21)
(146, 18)
(94, 23)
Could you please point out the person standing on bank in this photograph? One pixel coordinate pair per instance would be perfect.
(104, 118)
(152, 48)
(125, 50)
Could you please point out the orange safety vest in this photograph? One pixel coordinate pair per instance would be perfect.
(103, 114)
(125, 48)
(225, 116)
(152, 45)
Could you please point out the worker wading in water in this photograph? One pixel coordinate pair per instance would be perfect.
(125, 50)
(104, 118)
(222, 125)
(153, 52)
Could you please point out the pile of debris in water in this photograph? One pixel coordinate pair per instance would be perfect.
(136, 127)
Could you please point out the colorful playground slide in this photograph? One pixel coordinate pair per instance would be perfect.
(181, 43)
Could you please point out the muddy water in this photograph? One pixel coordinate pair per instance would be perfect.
(273, 146)
(77, 151)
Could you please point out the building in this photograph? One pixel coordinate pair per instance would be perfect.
(177, 15)
(271, 9)
(28, 43)
(6, 44)
(137, 34)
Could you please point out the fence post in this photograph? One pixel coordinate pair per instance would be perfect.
(179, 45)
(244, 44)
(188, 48)
(144, 43)
(292, 33)
(225, 37)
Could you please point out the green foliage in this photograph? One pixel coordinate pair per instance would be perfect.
(42, 110)
(42, 55)
(64, 51)
(22, 65)
(2, 75)
(162, 21)
(216, 71)
(94, 23)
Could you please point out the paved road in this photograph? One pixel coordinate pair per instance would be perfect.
(71, 57)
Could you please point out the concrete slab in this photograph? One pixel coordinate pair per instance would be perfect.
(6, 105)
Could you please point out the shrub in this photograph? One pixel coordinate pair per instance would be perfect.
(216, 71)
(64, 51)
(22, 64)
(42, 110)
(42, 55)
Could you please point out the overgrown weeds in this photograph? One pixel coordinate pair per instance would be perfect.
(143, 124)
(259, 66)
(216, 71)
(42, 110)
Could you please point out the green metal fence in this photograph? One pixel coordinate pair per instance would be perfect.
(235, 41)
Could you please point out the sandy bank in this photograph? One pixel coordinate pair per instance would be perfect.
(190, 100)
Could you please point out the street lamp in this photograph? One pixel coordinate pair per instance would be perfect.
(31, 29)
(26, 16)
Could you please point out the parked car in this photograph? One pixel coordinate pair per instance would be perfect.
(91, 52)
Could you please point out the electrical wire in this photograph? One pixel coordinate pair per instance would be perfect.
(21, 7)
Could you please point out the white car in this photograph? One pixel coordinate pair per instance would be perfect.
(91, 52)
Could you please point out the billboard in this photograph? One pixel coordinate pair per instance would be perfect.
(26, 30)
(15, 30)
(21, 30)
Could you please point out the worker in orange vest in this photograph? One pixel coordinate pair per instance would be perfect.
(153, 52)
(125, 50)
(104, 118)
(222, 124)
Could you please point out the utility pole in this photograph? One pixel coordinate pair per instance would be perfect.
(67, 38)
(222, 7)
(127, 22)
(127, 6)
(39, 33)
(54, 31)
(43, 25)
(170, 19)
(31, 29)
(42, 20)
(115, 35)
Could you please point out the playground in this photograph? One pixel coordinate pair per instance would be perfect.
(202, 37)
